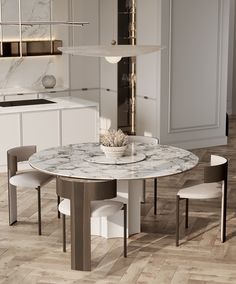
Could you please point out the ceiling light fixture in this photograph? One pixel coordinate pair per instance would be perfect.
(112, 53)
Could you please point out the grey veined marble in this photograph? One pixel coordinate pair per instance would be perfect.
(69, 161)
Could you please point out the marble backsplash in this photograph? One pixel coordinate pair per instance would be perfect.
(17, 72)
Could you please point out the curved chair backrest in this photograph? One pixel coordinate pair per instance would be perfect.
(143, 139)
(217, 171)
(96, 189)
(18, 154)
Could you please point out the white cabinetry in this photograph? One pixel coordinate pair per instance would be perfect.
(146, 118)
(79, 125)
(41, 129)
(84, 70)
(108, 110)
(69, 120)
(148, 33)
(108, 77)
(89, 95)
(10, 134)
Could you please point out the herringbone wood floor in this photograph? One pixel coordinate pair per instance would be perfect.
(26, 257)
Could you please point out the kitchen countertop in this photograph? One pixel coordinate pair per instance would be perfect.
(26, 91)
(60, 103)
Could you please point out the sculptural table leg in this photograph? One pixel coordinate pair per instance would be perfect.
(80, 228)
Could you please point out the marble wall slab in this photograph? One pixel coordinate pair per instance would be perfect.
(18, 72)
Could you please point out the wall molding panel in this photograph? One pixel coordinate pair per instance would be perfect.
(193, 68)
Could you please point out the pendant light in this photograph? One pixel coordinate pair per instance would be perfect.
(112, 53)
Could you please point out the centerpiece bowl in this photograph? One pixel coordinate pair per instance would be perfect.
(114, 143)
(114, 152)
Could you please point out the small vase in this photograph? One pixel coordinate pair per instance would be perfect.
(49, 81)
(113, 152)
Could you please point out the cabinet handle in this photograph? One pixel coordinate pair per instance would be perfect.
(146, 98)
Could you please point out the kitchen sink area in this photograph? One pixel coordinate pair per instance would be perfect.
(25, 102)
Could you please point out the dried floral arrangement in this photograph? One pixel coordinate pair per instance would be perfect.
(113, 138)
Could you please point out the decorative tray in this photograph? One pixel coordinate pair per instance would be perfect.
(127, 159)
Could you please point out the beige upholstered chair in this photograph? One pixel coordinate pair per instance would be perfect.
(29, 179)
(214, 186)
(99, 208)
(152, 141)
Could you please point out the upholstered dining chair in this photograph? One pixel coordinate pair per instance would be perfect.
(27, 179)
(152, 141)
(98, 208)
(214, 186)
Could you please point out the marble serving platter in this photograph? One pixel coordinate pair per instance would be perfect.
(127, 159)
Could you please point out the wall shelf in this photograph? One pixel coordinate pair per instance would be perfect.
(31, 48)
(20, 48)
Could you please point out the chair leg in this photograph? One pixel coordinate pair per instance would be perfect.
(155, 196)
(186, 213)
(125, 230)
(39, 211)
(58, 202)
(64, 232)
(223, 213)
(143, 200)
(177, 220)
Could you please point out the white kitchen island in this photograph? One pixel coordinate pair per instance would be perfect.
(66, 121)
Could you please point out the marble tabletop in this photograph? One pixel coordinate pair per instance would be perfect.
(70, 161)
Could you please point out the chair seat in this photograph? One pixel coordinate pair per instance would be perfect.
(31, 179)
(201, 191)
(99, 208)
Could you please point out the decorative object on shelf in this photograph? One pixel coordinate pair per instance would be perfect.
(49, 81)
(114, 143)
(114, 52)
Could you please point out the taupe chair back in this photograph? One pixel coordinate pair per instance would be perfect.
(18, 154)
(29, 179)
(214, 175)
(97, 189)
(217, 171)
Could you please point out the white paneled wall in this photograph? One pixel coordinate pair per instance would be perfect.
(194, 72)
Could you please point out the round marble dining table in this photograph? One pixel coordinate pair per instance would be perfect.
(87, 161)
(76, 161)
(79, 161)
